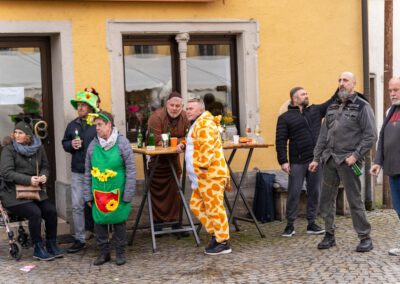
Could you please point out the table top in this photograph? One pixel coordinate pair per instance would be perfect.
(172, 150)
(230, 145)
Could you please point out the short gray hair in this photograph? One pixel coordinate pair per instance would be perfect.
(199, 101)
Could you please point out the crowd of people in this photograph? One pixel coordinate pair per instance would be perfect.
(323, 145)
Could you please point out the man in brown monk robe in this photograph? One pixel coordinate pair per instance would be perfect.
(164, 190)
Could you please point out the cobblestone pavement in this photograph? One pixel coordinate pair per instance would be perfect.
(254, 260)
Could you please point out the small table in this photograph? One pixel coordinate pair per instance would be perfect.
(147, 194)
(234, 148)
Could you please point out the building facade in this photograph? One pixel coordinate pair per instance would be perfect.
(247, 55)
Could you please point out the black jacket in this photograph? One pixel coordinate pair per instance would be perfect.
(86, 133)
(302, 130)
(18, 169)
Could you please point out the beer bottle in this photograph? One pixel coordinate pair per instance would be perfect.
(169, 136)
(151, 137)
(140, 139)
(77, 136)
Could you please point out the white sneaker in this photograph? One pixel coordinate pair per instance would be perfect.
(394, 252)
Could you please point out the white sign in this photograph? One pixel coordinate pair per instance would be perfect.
(12, 96)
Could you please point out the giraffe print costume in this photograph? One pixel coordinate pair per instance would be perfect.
(209, 174)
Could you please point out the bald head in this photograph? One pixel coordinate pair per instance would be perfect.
(347, 83)
(394, 90)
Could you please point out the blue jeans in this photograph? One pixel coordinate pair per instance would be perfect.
(394, 182)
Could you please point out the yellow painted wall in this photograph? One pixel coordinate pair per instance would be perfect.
(302, 42)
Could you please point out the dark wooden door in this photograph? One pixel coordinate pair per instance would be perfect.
(25, 91)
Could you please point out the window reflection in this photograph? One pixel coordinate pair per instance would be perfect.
(148, 81)
(20, 86)
(209, 75)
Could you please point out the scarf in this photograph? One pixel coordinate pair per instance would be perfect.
(110, 142)
(28, 150)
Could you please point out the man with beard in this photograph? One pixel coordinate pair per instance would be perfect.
(388, 152)
(300, 125)
(347, 134)
(164, 190)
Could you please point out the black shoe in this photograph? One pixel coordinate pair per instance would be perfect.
(289, 231)
(327, 242)
(219, 248)
(314, 229)
(180, 234)
(158, 229)
(212, 243)
(76, 247)
(365, 245)
(120, 259)
(101, 259)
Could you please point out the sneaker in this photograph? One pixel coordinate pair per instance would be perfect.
(76, 247)
(289, 231)
(219, 248)
(314, 229)
(394, 252)
(211, 243)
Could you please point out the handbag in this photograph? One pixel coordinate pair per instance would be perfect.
(29, 192)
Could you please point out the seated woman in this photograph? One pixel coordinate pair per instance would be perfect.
(24, 162)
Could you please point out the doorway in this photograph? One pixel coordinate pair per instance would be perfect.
(25, 92)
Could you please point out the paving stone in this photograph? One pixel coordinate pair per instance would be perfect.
(273, 259)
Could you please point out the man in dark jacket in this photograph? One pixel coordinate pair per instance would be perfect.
(300, 125)
(77, 138)
(347, 134)
(388, 152)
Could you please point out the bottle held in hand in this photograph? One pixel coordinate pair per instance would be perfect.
(356, 169)
(77, 137)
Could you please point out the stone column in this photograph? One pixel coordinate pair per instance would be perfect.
(182, 40)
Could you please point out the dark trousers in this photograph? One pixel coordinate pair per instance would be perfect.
(333, 173)
(36, 211)
(119, 236)
(299, 173)
(89, 222)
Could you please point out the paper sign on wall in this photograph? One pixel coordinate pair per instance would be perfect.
(12, 96)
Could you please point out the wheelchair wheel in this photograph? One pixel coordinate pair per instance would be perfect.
(24, 240)
(16, 251)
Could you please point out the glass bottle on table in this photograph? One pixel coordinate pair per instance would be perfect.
(140, 139)
(257, 132)
(247, 130)
(151, 144)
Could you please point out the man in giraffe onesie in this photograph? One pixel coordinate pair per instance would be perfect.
(209, 175)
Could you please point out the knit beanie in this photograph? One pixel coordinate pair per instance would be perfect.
(24, 127)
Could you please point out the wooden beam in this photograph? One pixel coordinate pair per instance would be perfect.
(387, 75)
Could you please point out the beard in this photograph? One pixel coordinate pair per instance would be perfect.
(173, 115)
(396, 102)
(305, 103)
(343, 95)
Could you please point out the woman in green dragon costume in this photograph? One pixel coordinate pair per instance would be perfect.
(110, 178)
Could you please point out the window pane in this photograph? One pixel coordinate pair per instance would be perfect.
(148, 81)
(20, 87)
(209, 75)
